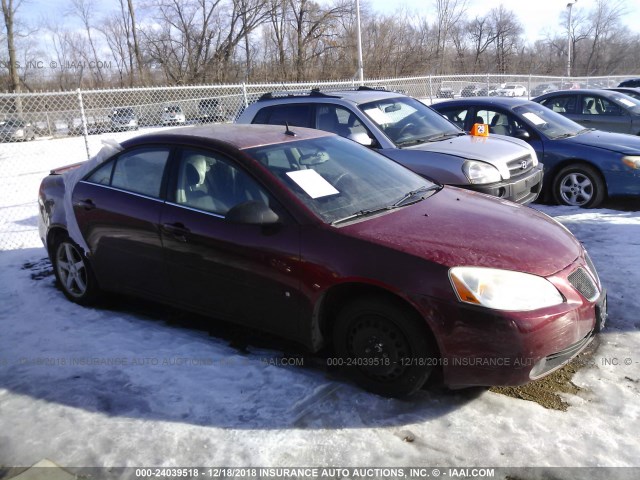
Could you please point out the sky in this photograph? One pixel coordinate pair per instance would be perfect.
(537, 16)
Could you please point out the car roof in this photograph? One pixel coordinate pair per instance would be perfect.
(582, 91)
(237, 136)
(504, 102)
(357, 96)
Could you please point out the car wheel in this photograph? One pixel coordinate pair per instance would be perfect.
(579, 186)
(383, 347)
(73, 272)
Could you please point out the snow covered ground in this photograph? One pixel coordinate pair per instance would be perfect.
(127, 386)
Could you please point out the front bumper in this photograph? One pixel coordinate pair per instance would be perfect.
(479, 346)
(521, 189)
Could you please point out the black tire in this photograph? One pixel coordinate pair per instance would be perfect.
(579, 185)
(73, 272)
(383, 347)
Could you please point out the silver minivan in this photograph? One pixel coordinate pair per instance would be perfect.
(409, 132)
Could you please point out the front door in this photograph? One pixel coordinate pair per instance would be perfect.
(244, 273)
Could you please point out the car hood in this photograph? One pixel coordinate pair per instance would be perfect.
(494, 149)
(458, 227)
(617, 142)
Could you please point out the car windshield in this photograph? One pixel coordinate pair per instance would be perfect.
(175, 109)
(628, 102)
(547, 122)
(123, 112)
(337, 178)
(407, 121)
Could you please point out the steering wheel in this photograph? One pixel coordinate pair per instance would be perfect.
(406, 127)
(343, 177)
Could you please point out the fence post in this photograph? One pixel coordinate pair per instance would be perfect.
(83, 118)
(529, 88)
(430, 90)
(48, 124)
(244, 94)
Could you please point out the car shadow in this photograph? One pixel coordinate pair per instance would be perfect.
(138, 359)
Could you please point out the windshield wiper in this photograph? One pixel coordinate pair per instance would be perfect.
(398, 204)
(434, 138)
(565, 135)
(407, 196)
(444, 136)
(361, 213)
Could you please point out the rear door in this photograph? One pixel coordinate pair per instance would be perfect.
(604, 114)
(118, 207)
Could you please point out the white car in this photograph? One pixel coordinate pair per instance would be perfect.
(512, 90)
(173, 115)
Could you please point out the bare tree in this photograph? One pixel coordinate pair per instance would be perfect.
(508, 33)
(482, 36)
(606, 22)
(9, 9)
(448, 14)
(82, 9)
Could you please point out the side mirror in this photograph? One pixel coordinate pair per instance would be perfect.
(522, 134)
(252, 213)
(362, 138)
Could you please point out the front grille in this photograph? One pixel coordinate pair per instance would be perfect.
(583, 282)
(515, 166)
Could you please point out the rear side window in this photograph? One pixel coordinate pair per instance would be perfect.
(138, 171)
(294, 115)
(561, 104)
(102, 176)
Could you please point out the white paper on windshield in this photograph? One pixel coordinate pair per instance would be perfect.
(628, 103)
(378, 116)
(312, 183)
(533, 118)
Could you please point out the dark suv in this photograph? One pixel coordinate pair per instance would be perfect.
(632, 82)
(407, 131)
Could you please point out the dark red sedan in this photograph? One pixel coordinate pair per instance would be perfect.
(320, 240)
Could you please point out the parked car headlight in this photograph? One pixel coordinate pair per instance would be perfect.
(503, 289)
(480, 172)
(19, 132)
(632, 161)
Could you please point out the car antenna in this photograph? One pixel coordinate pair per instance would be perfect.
(288, 131)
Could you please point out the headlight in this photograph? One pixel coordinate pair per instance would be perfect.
(19, 132)
(632, 161)
(503, 289)
(480, 172)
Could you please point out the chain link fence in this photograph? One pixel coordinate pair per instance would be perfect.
(41, 131)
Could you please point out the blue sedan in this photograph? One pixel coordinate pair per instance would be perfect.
(582, 166)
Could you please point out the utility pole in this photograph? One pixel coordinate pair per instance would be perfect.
(360, 65)
(569, 6)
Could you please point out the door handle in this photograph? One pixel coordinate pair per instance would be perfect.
(178, 230)
(87, 204)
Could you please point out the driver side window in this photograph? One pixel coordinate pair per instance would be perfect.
(500, 123)
(339, 120)
(206, 181)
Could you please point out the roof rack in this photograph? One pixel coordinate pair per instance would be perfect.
(314, 92)
(368, 88)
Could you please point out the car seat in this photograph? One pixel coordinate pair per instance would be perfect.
(499, 125)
